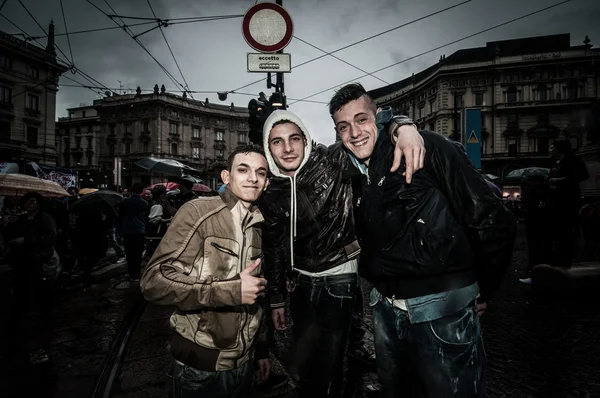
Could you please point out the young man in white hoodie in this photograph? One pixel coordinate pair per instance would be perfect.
(309, 239)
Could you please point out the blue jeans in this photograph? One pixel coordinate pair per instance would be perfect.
(321, 310)
(111, 237)
(446, 355)
(189, 382)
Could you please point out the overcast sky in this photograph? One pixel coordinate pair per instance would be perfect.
(212, 55)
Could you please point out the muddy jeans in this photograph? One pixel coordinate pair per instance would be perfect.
(446, 354)
(321, 310)
(189, 382)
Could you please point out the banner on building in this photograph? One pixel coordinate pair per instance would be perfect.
(66, 178)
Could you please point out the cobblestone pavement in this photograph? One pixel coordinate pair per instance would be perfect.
(538, 345)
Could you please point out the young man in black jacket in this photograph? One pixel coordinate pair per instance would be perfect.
(430, 248)
(309, 237)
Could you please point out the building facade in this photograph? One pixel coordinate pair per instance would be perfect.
(162, 125)
(28, 85)
(531, 92)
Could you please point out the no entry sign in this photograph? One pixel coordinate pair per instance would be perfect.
(267, 27)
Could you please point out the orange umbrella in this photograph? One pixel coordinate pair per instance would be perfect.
(85, 191)
(19, 184)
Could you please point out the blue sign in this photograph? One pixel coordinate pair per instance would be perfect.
(472, 135)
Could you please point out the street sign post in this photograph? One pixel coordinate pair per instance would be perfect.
(260, 62)
(472, 135)
(267, 27)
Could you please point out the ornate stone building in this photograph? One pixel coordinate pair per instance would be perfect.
(159, 124)
(531, 92)
(28, 85)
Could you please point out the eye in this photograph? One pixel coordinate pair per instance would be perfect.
(242, 170)
(342, 128)
(362, 120)
(296, 139)
(275, 142)
(262, 174)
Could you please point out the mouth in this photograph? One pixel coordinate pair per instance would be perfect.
(360, 143)
(289, 159)
(250, 187)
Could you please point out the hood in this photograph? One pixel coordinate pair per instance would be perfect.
(275, 117)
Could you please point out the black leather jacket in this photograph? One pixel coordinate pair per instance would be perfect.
(443, 231)
(325, 235)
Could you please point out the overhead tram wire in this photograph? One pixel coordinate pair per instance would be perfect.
(440, 47)
(159, 22)
(130, 33)
(209, 17)
(62, 9)
(366, 39)
(28, 89)
(341, 60)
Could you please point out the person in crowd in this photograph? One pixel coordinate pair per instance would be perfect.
(158, 220)
(111, 234)
(208, 266)
(89, 241)
(435, 251)
(565, 201)
(133, 216)
(309, 238)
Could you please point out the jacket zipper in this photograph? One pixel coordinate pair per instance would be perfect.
(224, 249)
(245, 307)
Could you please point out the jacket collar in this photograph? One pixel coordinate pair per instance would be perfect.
(231, 201)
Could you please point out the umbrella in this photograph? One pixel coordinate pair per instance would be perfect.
(201, 188)
(166, 166)
(169, 185)
(97, 201)
(519, 174)
(19, 184)
(85, 191)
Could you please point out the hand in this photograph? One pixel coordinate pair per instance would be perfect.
(481, 307)
(409, 144)
(252, 287)
(278, 316)
(288, 285)
(263, 370)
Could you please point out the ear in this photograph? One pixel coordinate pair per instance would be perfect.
(266, 184)
(378, 110)
(225, 176)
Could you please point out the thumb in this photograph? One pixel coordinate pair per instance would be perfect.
(397, 159)
(250, 269)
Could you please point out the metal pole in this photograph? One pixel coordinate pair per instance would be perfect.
(280, 87)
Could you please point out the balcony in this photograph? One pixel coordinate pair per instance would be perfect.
(220, 145)
(7, 107)
(543, 104)
(32, 112)
(145, 136)
(518, 155)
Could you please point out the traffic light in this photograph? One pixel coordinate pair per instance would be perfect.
(259, 110)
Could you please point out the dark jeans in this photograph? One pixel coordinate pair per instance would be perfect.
(321, 310)
(539, 237)
(111, 237)
(189, 382)
(446, 355)
(134, 248)
(357, 331)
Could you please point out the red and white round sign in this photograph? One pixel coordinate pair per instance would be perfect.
(267, 27)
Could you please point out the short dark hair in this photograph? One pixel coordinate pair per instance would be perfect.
(348, 93)
(563, 146)
(158, 191)
(137, 188)
(31, 195)
(287, 121)
(245, 149)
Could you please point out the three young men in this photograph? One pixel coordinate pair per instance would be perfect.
(208, 266)
(435, 249)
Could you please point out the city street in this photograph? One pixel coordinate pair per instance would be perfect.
(537, 344)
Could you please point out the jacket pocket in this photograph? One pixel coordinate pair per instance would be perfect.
(219, 329)
(221, 258)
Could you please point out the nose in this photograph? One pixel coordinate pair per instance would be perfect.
(287, 147)
(252, 177)
(354, 132)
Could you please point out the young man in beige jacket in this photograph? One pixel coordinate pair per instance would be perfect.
(208, 267)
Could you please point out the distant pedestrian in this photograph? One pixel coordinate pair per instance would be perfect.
(133, 216)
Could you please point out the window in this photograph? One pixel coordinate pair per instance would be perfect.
(478, 99)
(220, 122)
(33, 72)
(83, 114)
(421, 112)
(572, 90)
(432, 126)
(511, 95)
(33, 102)
(460, 100)
(113, 129)
(513, 121)
(219, 153)
(174, 148)
(111, 150)
(195, 132)
(32, 136)
(512, 146)
(67, 144)
(242, 138)
(146, 147)
(128, 128)
(543, 146)
(89, 140)
(219, 136)
(173, 129)
(574, 142)
(89, 161)
(195, 152)
(4, 130)
(432, 106)
(5, 94)
(541, 93)
(5, 62)
(543, 120)
(128, 148)
(78, 142)
(89, 129)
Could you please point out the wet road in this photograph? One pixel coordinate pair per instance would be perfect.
(538, 345)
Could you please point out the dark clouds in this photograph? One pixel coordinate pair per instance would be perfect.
(212, 55)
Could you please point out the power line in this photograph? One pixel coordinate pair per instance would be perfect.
(130, 33)
(67, 31)
(3, 3)
(168, 46)
(368, 38)
(32, 87)
(440, 47)
(155, 19)
(339, 59)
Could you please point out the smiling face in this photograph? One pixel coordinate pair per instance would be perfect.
(286, 144)
(247, 177)
(356, 127)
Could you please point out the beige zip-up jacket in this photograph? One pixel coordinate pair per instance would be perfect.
(196, 269)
